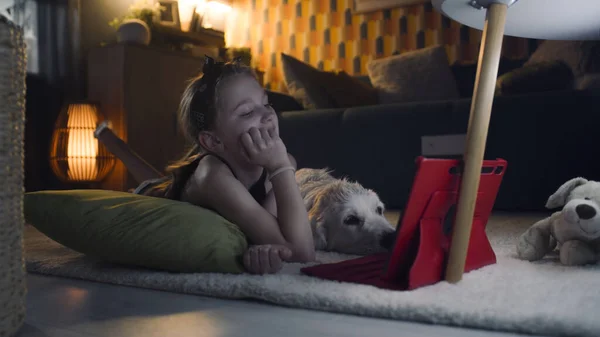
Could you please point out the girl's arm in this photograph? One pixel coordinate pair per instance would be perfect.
(270, 204)
(291, 211)
(215, 186)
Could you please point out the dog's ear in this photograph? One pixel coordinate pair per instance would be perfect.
(310, 200)
(559, 198)
(316, 216)
(319, 235)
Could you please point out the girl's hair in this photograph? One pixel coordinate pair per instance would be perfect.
(200, 100)
(197, 112)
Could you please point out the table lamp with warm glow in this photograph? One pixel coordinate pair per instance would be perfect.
(538, 19)
(76, 156)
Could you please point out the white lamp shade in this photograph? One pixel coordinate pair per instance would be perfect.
(535, 19)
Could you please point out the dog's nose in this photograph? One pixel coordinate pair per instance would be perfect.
(387, 240)
(585, 211)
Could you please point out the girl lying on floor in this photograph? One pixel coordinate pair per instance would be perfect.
(239, 166)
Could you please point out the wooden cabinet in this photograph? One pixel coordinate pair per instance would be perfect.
(138, 89)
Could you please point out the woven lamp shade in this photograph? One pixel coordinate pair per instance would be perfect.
(76, 155)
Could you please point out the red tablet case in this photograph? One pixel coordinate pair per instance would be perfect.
(418, 257)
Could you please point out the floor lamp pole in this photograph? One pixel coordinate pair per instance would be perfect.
(479, 119)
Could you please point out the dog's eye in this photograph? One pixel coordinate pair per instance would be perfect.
(352, 220)
(380, 210)
(586, 198)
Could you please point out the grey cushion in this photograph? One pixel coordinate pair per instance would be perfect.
(589, 82)
(420, 75)
(317, 89)
(537, 77)
(299, 80)
(364, 78)
(582, 56)
(282, 102)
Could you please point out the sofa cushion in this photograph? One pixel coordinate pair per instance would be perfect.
(347, 91)
(465, 73)
(282, 102)
(365, 79)
(581, 56)
(419, 75)
(589, 82)
(536, 77)
(317, 89)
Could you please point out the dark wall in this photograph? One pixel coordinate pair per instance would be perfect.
(43, 102)
(95, 16)
(95, 31)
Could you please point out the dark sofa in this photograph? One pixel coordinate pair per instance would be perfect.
(546, 137)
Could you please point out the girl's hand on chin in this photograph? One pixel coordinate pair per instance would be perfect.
(263, 147)
(266, 259)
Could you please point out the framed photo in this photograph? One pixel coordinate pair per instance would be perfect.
(367, 6)
(169, 13)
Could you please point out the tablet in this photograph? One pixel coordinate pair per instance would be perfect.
(436, 184)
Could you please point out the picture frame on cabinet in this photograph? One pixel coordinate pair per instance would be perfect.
(169, 14)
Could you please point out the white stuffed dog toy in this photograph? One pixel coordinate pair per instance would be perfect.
(575, 229)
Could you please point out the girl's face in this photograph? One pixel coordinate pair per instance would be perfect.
(243, 104)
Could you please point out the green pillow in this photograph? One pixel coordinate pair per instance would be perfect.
(132, 229)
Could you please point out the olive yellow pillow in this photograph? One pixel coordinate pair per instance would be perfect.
(137, 230)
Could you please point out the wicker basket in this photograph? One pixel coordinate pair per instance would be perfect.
(12, 123)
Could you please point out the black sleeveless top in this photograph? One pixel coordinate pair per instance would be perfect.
(157, 187)
(257, 190)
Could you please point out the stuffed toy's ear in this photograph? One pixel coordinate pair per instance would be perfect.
(559, 198)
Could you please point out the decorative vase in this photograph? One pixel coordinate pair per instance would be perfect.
(134, 31)
(13, 68)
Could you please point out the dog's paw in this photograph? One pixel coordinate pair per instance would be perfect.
(533, 245)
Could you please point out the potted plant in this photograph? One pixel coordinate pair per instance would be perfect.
(136, 26)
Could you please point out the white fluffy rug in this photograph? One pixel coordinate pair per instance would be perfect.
(512, 295)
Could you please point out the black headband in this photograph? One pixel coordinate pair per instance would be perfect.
(204, 97)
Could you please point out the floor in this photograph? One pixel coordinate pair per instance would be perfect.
(59, 307)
